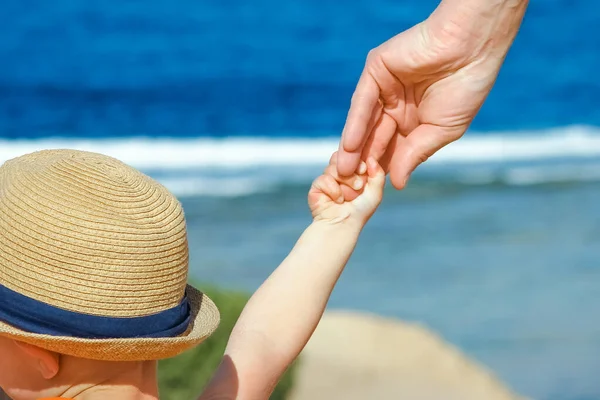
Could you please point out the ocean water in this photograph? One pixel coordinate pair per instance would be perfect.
(236, 107)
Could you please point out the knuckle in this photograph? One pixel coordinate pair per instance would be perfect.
(372, 55)
(329, 180)
(375, 63)
(449, 135)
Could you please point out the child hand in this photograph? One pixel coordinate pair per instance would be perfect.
(326, 198)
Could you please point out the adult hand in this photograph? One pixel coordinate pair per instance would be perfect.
(420, 90)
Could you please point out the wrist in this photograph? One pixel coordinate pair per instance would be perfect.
(347, 226)
(478, 27)
(488, 10)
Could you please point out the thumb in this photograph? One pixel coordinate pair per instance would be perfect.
(376, 179)
(414, 149)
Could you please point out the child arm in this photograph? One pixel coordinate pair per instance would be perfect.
(282, 315)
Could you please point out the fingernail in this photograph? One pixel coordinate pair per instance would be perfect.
(362, 168)
(358, 183)
(340, 199)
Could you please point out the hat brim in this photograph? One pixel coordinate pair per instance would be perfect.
(205, 320)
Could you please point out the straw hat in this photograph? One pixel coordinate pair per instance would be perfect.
(94, 260)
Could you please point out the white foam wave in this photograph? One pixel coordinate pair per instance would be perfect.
(242, 166)
(567, 142)
(248, 184)
(552, 174)
(164, 154)
(529, 175)
(213, 187)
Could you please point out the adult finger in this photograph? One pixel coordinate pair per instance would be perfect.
(348, 192)
(362, 166)
(356, 130)
(380, 138)
(415, 149)
(389, 152)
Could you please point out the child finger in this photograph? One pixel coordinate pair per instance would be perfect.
(330, 187)
(349, 193)
(355, 182)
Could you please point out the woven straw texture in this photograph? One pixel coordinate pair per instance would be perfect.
(86, 233)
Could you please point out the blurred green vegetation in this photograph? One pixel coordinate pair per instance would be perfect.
(184, 377)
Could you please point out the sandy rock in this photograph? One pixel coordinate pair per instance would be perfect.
(355, 356)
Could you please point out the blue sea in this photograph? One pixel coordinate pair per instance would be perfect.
(236, 106)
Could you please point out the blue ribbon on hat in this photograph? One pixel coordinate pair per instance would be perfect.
(34, 316)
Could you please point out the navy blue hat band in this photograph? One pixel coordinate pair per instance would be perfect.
(34, 316)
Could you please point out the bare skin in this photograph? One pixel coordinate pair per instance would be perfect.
(273, 329)
(420, 90)
(30, 373)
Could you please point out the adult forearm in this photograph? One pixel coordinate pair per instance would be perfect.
(486, 26)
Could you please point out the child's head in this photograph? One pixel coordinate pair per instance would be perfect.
(93, 266)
